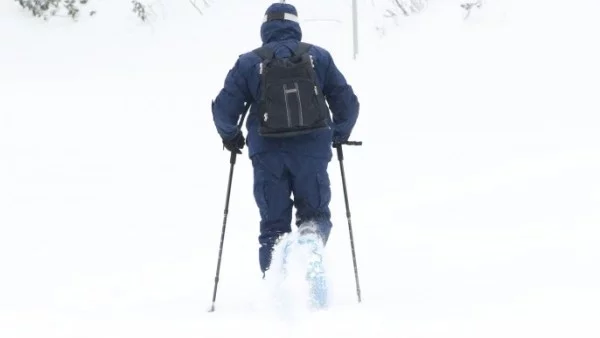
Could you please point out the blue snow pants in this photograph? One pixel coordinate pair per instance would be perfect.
(283, 181)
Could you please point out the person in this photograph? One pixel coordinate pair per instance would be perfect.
(285, 166)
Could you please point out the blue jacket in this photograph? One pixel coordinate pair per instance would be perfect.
(242, 84)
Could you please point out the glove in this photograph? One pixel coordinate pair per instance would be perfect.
(338, 140)
(236, 143)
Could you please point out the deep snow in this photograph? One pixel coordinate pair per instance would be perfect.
(474, 198)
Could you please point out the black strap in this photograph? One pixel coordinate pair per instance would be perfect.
(265, 53)
(302, 48)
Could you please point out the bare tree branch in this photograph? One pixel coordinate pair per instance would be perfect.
(193, 2)
(469, 6)
(401, 6)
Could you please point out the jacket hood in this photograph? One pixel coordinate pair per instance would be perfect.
(280, 30)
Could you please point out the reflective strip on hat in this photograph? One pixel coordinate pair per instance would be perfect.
(281, 16)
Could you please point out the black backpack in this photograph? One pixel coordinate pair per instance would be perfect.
(291, 102)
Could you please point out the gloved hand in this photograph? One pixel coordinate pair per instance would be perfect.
(235, 144)
(339, 140)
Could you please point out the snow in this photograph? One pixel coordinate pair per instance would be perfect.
(474, 198)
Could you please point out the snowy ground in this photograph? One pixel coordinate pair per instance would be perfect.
(475, 198)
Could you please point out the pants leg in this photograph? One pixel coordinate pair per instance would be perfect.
(272, 191)
(312, 192)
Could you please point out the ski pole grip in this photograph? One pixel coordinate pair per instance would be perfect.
(233, 157)
(338, 147)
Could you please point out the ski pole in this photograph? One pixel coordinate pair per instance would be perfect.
(340, 155)
(225, 213)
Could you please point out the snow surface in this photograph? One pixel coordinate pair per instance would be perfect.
(475, 198)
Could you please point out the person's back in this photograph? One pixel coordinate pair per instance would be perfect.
(285, 165)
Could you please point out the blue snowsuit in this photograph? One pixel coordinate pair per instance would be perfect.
(286, 166)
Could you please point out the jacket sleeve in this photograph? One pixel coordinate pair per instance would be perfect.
(229, 103)
(342, 101)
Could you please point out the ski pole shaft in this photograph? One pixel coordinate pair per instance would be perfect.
(340, 155)
(232, 159)
(225, 213)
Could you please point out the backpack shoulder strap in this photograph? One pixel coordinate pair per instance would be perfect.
(302, 48)
(265, 53)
